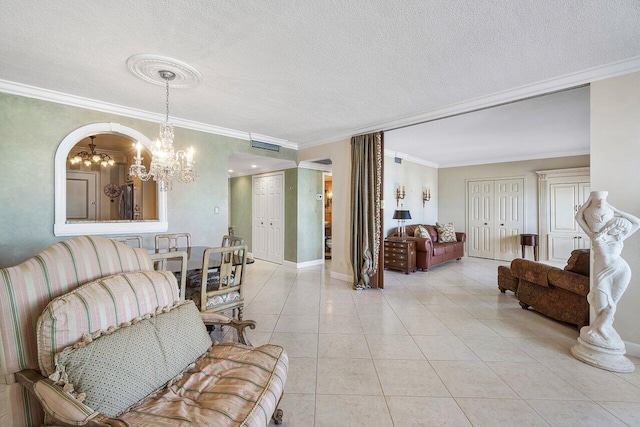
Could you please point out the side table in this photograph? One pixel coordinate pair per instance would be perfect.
(530, 240)
(399, 255)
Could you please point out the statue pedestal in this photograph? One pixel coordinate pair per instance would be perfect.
(604, 358)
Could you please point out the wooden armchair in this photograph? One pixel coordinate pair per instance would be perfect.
(228, 240)
(170, 243)
(133, 241)
(218, 286)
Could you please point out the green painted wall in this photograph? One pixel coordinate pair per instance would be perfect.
(310, 216)
(291, 215)
(30, 132)
(303, 214)
(240, 209)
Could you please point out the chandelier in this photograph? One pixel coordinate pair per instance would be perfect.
(90, 158)
(166, 163)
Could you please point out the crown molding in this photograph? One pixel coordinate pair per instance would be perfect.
(412, 159)
(547, 155)
(305, 164)
(27, 91)
(542, 87)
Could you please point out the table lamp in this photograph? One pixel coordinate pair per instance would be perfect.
(401, 215)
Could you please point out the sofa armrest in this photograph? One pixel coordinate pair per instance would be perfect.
(423, 244)
(570, 281)
(461, 236)
(531, 271)
(65, 409)
(211, 319)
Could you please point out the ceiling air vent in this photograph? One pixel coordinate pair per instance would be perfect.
(265, 145)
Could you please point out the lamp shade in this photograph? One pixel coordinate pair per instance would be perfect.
(401, 214)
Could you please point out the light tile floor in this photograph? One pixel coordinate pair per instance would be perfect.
(442, 347)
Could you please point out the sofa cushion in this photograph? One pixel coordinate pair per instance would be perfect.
(433, 233)
(231, 385)
(420, 231)
(119, 368)
(579, 262)
(446, 232)
(115, 299)
(438, 249)
(450, 247)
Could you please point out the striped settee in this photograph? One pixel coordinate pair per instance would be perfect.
(87, 293)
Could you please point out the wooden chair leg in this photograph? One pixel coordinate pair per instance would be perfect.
(277, 416)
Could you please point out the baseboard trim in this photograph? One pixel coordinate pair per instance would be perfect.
(343, 277)
(303, 264)
(633, 349)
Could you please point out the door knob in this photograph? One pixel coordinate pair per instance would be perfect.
(501, 225)
(261, 223)
(486, 223)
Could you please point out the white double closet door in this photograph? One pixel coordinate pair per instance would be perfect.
(268, 217)
(495, 218)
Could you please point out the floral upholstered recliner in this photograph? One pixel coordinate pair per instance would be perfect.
(92, 335)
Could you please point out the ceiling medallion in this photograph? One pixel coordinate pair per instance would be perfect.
(148, 68)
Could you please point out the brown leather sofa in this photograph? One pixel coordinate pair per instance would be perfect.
(429, 251)
(559, 294)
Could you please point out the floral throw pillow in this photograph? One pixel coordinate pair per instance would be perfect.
(446, 232)
(420, 231)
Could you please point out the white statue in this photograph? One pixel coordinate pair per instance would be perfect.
(599, 344)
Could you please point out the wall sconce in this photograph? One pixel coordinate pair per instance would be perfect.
(399, 194)
(426, 196)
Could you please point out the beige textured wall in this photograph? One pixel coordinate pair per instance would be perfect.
(452, 186)
(615, 153)
(340, 154)
(415, 178)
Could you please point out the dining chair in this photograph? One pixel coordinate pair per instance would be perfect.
(134, 241)
(170, 243)
(228, 240)
(220, 289)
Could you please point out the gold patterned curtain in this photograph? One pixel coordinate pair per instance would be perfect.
(366, 191)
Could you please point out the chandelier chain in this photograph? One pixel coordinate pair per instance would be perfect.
(166, 119)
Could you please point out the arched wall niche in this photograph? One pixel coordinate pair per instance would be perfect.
(62, 227)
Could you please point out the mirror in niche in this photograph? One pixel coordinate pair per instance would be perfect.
(98, 185)
(88, 178)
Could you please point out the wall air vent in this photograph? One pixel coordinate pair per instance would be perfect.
(265, 145)
(397, 159)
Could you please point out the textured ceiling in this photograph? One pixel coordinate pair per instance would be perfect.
(311, 71)
(548, 126)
